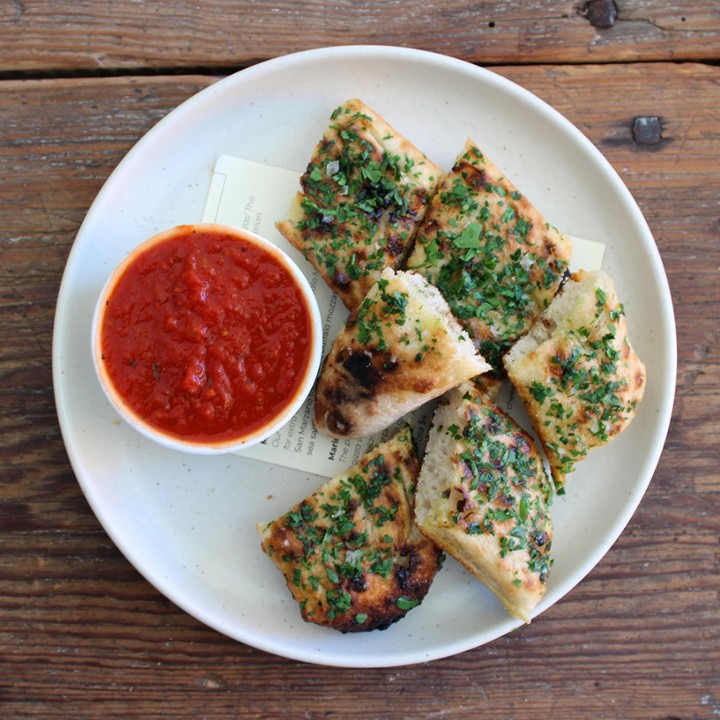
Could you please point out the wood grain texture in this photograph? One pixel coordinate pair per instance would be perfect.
(86, 35)
(82, 635)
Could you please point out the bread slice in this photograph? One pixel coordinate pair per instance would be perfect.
(351, 554)
(362, 195)
(400, 349)
(576, 372)
(490, 252)
(483, 496)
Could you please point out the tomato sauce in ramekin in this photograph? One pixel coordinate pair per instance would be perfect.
(206, 337)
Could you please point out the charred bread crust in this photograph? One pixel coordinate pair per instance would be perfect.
(362, 196)
(351, 554)
(577, 373)
(483, 496)
(490, 252)
(400, 349)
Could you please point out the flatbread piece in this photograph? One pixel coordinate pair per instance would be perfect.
(351, 554)
(362, 196)
(484, 497)
(401, 348)
(576, 372)
(490, 252)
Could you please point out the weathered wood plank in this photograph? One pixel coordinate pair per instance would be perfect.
(85, 35)
(82, 635)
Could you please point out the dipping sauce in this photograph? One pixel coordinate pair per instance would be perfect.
(205, 334)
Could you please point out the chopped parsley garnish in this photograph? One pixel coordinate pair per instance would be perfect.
(404, 603)
(540, 392)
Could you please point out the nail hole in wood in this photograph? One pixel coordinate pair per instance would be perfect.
(600, 13)
(647, 130)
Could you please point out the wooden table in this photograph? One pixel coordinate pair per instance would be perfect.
(82, 634)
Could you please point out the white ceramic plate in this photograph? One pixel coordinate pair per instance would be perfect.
(188, 523)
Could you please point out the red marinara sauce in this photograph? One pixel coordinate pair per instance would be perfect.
(206, 335)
